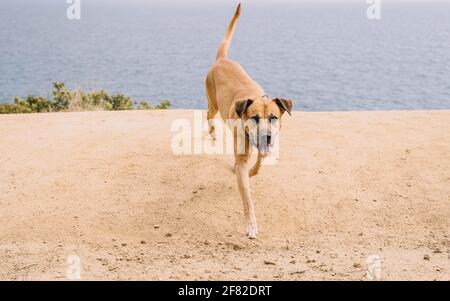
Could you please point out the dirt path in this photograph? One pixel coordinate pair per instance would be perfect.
(106, 187)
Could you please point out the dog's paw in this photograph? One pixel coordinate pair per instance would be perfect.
(252, 231)
(212, 130)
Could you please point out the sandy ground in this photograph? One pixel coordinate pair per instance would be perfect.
(106, 187)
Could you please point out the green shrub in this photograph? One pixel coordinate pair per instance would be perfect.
(96, 100)
(163, 105)
(143, 105)
(68, 101)
(61, 97)
(121, 102)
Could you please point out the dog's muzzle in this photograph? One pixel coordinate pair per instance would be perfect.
(264, 144)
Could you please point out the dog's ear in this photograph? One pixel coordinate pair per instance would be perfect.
(285, 105)
(241, 106)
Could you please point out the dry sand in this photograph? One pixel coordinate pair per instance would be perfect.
(106, 187)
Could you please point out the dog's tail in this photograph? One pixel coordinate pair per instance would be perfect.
(222, 52)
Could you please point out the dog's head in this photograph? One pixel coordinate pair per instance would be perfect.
(262, 120)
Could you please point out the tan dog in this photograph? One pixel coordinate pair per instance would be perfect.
(232, 92)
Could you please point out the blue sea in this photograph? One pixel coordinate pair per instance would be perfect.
(326, 57)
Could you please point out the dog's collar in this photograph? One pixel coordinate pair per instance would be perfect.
(264, 97)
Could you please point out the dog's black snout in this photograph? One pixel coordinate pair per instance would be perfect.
(267, 139)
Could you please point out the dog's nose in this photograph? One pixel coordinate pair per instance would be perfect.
(267, 139)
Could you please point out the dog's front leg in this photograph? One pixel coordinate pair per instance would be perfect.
(243, 180)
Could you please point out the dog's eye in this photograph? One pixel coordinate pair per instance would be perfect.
(273, 118)
(255, 119)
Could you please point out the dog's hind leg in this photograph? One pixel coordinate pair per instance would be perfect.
(211, 123)
(212, 105)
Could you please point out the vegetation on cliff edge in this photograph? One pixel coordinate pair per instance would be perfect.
(65, 100)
